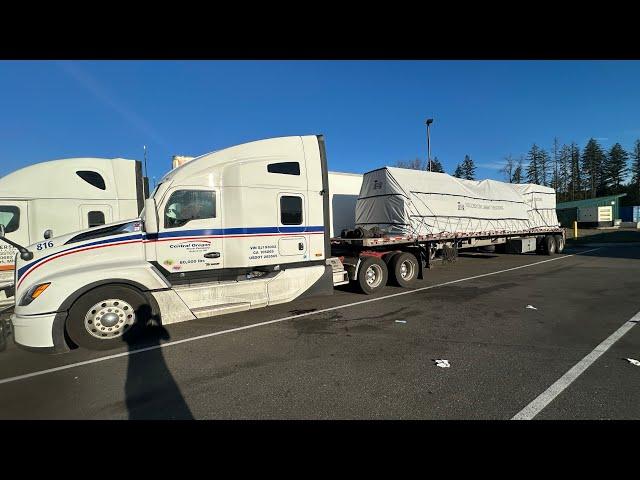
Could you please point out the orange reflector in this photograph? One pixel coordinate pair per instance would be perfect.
(41, 288)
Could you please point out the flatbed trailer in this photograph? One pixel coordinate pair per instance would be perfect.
(401, 259)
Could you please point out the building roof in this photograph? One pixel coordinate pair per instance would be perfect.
(589, 201)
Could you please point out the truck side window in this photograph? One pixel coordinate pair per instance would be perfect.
(291, 210)
(95, 218)
(10, 218)
(186, 205)
(285, 168)
(93, 178)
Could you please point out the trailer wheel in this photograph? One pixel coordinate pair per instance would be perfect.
(388, 256)
(403, 269)
(549, 243)
(107, 317)
(559, 243)
(372, 275)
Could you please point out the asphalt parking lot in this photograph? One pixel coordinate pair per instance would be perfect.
(350, 356)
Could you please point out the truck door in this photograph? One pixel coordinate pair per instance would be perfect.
(95, 215)
(292, 224)
(189, 231)
(14, 217)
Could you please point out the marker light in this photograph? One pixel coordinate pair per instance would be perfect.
(33, 293)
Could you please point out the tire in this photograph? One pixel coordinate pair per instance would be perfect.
(388, 256)
(4, 333)
(559, 243)
(549, 244)
(403, 270)
(125, 306)
(372, 275)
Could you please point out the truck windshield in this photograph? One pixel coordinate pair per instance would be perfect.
(9, 217)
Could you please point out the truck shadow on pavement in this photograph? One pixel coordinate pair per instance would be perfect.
(151, 393)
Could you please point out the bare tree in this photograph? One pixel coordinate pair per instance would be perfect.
(416, 164)
(517, 172)
(508, 168)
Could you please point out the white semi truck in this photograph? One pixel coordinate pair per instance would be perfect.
(62, 196)
(233, 230)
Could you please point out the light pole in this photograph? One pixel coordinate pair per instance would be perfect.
(429, 122)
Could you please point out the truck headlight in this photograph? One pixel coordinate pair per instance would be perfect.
(33, 293)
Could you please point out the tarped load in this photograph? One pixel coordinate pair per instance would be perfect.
(541, 204)
(417, 203)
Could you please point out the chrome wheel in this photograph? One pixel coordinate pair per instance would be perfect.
(407, 270)
(374, 275)
(109, 318)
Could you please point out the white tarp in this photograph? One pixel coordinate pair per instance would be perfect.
(541, 204)
(413, 202)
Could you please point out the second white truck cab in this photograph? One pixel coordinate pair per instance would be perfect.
(233, 230)
(62, 196)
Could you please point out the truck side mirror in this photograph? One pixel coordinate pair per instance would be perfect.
(1, 231)
(48, 234)
(150, 216)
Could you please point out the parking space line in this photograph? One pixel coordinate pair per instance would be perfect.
(546, 397)
(278, 320)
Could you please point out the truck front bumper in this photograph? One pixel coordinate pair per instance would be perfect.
(42, 333)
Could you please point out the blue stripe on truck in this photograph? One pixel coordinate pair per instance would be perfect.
(185, 233)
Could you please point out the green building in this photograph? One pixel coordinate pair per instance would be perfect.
(568, 211)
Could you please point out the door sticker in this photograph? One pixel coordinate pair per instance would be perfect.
(260, 252)
(187, 248)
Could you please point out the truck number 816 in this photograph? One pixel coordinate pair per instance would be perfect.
(43, 245)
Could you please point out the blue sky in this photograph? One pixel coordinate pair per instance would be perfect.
(372, 113)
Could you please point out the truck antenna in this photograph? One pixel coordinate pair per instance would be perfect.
(146, 172)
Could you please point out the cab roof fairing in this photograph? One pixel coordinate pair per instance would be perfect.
(22, 184)
(198, 170)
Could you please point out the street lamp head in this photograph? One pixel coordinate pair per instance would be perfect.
(429, 121)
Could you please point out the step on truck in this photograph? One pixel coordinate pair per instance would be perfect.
(233, 230)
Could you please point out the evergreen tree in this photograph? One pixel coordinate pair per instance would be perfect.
(436, 166)
(616, 168)
(635, 168)
(459, 173)
(593, 160)
(468, 168)
(418, 164)
(564, 171)
(576, 174)
(533, 169)
(555, 174)
(517, 172)
(544, 167)
(601, 184)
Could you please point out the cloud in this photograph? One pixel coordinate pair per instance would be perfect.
(89, 83)
(492, 165)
